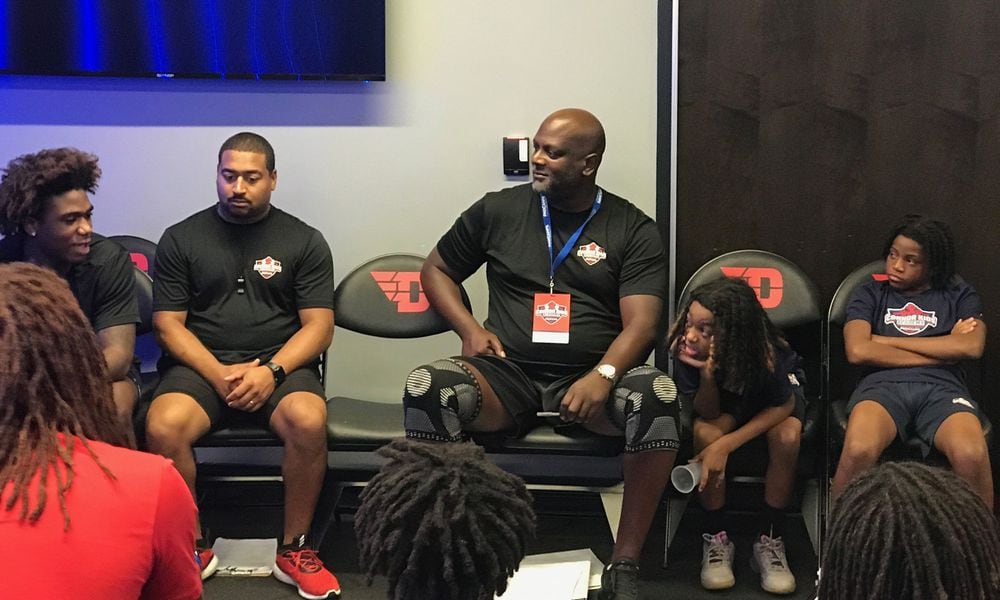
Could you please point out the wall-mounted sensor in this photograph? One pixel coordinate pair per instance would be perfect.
(515, 156)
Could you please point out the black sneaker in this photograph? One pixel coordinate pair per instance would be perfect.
(620, 581)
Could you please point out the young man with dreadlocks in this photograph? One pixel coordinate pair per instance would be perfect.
(81, 515)
(910, 331)
(745, 381)
(442, 522)
(909, 531)
(45, 216)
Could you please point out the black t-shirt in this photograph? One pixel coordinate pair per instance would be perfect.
(618, 254)
(104, 283)
(930, 313)
(775, 390)
(285, 266)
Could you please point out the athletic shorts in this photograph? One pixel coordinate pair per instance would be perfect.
(918, 409)
(742, 412)
(522, 396)
(185, 380)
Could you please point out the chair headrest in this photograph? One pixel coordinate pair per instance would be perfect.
(784, 290)
(842, 297)
(140, 250)
(383, 297)
(144, 296)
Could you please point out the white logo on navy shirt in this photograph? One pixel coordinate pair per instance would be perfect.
(962, 401)
(911, 319)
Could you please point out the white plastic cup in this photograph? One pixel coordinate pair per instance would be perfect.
(686, 477)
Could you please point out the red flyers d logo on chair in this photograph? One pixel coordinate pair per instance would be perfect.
(403, 288)
(765, 281)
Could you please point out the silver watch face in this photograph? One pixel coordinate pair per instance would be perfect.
(607, 371)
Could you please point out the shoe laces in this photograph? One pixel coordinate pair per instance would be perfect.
(773, 552)
(718, 547)
(305, 560)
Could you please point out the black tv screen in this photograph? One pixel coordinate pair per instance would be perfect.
(221, 39)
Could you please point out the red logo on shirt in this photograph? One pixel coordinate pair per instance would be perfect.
(765, 281)
(267, 267)
(551, 312)
(591, 253)
(403, 288)
(911, 319)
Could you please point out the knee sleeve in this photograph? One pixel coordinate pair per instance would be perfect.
(644, 405)
(438, 399)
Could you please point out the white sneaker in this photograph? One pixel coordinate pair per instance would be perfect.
(769, 560)
(717, 562)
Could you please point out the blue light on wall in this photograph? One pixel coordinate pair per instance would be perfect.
(227, 39)
(89, 36)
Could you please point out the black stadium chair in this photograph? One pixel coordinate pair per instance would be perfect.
(383, 298)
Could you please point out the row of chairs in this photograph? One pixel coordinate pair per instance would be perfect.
(383, 298)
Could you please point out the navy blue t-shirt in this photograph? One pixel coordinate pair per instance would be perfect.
(933, 312)
(776, 389)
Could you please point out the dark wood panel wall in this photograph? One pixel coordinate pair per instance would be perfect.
(808, 127)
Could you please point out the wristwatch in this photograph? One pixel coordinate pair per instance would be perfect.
(607, 371)
(278, 371)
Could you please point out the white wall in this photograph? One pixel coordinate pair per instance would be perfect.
(377, 167)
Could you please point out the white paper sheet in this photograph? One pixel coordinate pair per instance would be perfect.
(554, 581)
(583, 554)
(245, 557)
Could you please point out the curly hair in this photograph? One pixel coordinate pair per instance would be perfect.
(247, 141)
(935, 239)
(744, 337)
(909, 530)
(30, 180)
(54, 387)
(441, 522)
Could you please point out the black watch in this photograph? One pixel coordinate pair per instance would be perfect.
(278, 371)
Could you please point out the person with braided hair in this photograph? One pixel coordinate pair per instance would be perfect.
(45, 217)
(442, 522)
(123, 521)
(745, 381)
(909, 531)
(909, 332)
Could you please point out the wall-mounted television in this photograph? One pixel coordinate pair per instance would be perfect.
(217, 39)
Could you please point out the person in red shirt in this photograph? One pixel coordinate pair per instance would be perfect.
(99, 519)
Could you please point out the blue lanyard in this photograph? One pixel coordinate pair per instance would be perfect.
(547, 222)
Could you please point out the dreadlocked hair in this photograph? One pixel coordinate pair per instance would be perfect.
(54, 388)
(442, 522)
(908, 530)
(31, 179)
(936, 241)
(745, 340)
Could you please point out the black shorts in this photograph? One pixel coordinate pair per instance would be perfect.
(918, 409)
(185, 380)
(522, 396)
(742, 412)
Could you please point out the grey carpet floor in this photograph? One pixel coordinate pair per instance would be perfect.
(566, 521)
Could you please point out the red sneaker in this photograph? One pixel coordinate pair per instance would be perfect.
(207, 561)
(297, 564)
